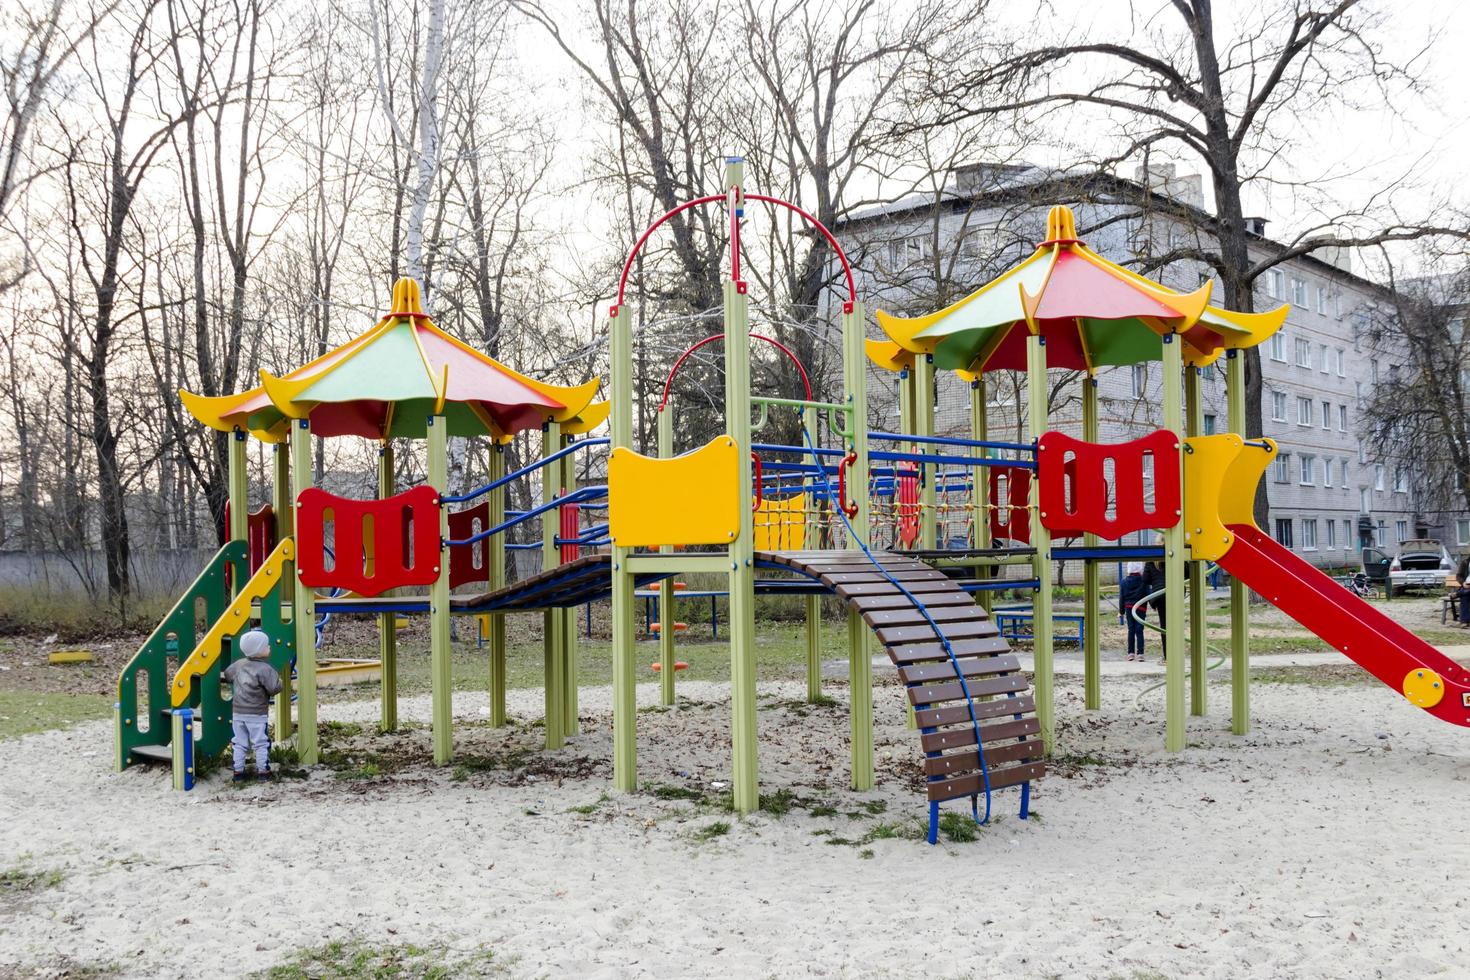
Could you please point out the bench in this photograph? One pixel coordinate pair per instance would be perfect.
(1016, 624)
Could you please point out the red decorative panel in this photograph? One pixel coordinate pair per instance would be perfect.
(260, 537)
(1077, 493)
(469, 562)
(571, 529)
(906, 490)
(1010, 520)
(378, 544)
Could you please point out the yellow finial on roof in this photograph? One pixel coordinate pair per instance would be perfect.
(1061, 226)
(408, 300)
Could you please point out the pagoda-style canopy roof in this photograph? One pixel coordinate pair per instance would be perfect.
(1092, 313)
(386, 383)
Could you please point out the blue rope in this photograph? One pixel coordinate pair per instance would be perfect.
(944, 640)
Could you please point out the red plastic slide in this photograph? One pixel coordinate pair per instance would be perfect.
(1381, 646)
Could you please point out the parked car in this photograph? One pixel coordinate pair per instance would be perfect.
(1422, 563)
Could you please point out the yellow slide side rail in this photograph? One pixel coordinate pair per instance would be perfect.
(1221, 473)
(235, 620)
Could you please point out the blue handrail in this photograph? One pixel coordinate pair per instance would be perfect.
(576, 496)
(525, 470)
(1023, 447)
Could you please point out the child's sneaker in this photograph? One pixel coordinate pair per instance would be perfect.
(265, 776)
(240, 777)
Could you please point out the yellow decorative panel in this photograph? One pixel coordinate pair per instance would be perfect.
(689, 499)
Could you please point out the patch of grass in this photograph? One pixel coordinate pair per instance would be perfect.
(25, 880)
(592, 807)
(960, 828)
(779, 803)
(1324, 675)
(351, 959)
(1079, 759)
(329, 730)
(822, 810)
(866, 854)
(665, 792)
(368, 770)
(717, 828)
(25, 712)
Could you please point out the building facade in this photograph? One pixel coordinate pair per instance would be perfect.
(1330, 494)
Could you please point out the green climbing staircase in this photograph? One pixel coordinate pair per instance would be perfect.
(145, 688)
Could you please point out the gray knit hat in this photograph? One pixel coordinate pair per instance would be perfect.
(255, 644)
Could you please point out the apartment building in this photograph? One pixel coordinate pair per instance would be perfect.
(1330, 493)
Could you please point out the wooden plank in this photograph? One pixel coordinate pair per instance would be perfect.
(886, 588)
(939, 693)
(914, 616)
(897, 600)
(964, 735)
(959, 714)
(903, 575)
(995, 756)
(925, 632)
(972, 785)
(943, 670)
(909, 653)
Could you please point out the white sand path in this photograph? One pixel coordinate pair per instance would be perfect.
(1332, 841)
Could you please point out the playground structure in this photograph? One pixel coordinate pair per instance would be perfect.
(909, 529)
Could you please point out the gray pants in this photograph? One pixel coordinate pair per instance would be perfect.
(250, 734)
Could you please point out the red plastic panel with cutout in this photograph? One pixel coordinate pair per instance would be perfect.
(907, 492)
(1010, 521)
(378, 544)
(1076, 494)
(469, 563)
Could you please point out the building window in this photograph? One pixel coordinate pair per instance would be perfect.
(1276, 284)
(1306, 466)
(1326, 471)
(1365, 501)
(1140, 380)
(1401, 531)
(1283, 531)
(1342, 418)
(1462, 532)
(1299, 292)
(1347, 535)
(1303, 411)
(1326, 359)
(1281, 468)
(1303, 353)
(1331, 535)
(1378, 477)
(1278, 406)
(1341, 363)
(1337, 304)
(1278, 347)
(1326, 415)
(1380, 534)
(1321, 299)
(1400, 480)
(1309, 534)
(1344, 474)
(1209, 425)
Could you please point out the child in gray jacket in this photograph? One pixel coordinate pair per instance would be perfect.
(253, 682)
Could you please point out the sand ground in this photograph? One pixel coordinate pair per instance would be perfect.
(1331, 841)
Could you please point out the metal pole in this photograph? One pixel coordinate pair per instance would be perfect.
(1194, 421)
(1037, 421)
(980, 475)
(924, 426)
(743, 734)
(1240, 608)
(554, 667)
(568, 616)
(387, 622)
(859, 661)
(624, 609)
(303, 610)
(239, 490)
(1091, 588)
(666, 587)
(440, 649)
(1173, 369)
(285, 527)
(813, 602)
(495, 579)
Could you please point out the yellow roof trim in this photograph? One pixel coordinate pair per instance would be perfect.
(282, 392)
(888, 354)
(212, 410)
(588, 419)
(1258, 327)
(574, 397)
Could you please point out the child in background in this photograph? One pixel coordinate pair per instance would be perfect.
(1133, 588)
(253, 682)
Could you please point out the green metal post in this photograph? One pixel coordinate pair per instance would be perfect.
(624, 612)
(1194, 423)
(303, 610)
(1240, 608)
(495, 575)
(441, 652)
(551, 621)
(859, 660)
(1037, 421)
(980, 492)
(813, 603)
(239, 490)
(743, 734)
(285, 528)
(568, 616)
(387, 622)
(1091, 589)
(928, 473)
(1173, 369)
(666, 588)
